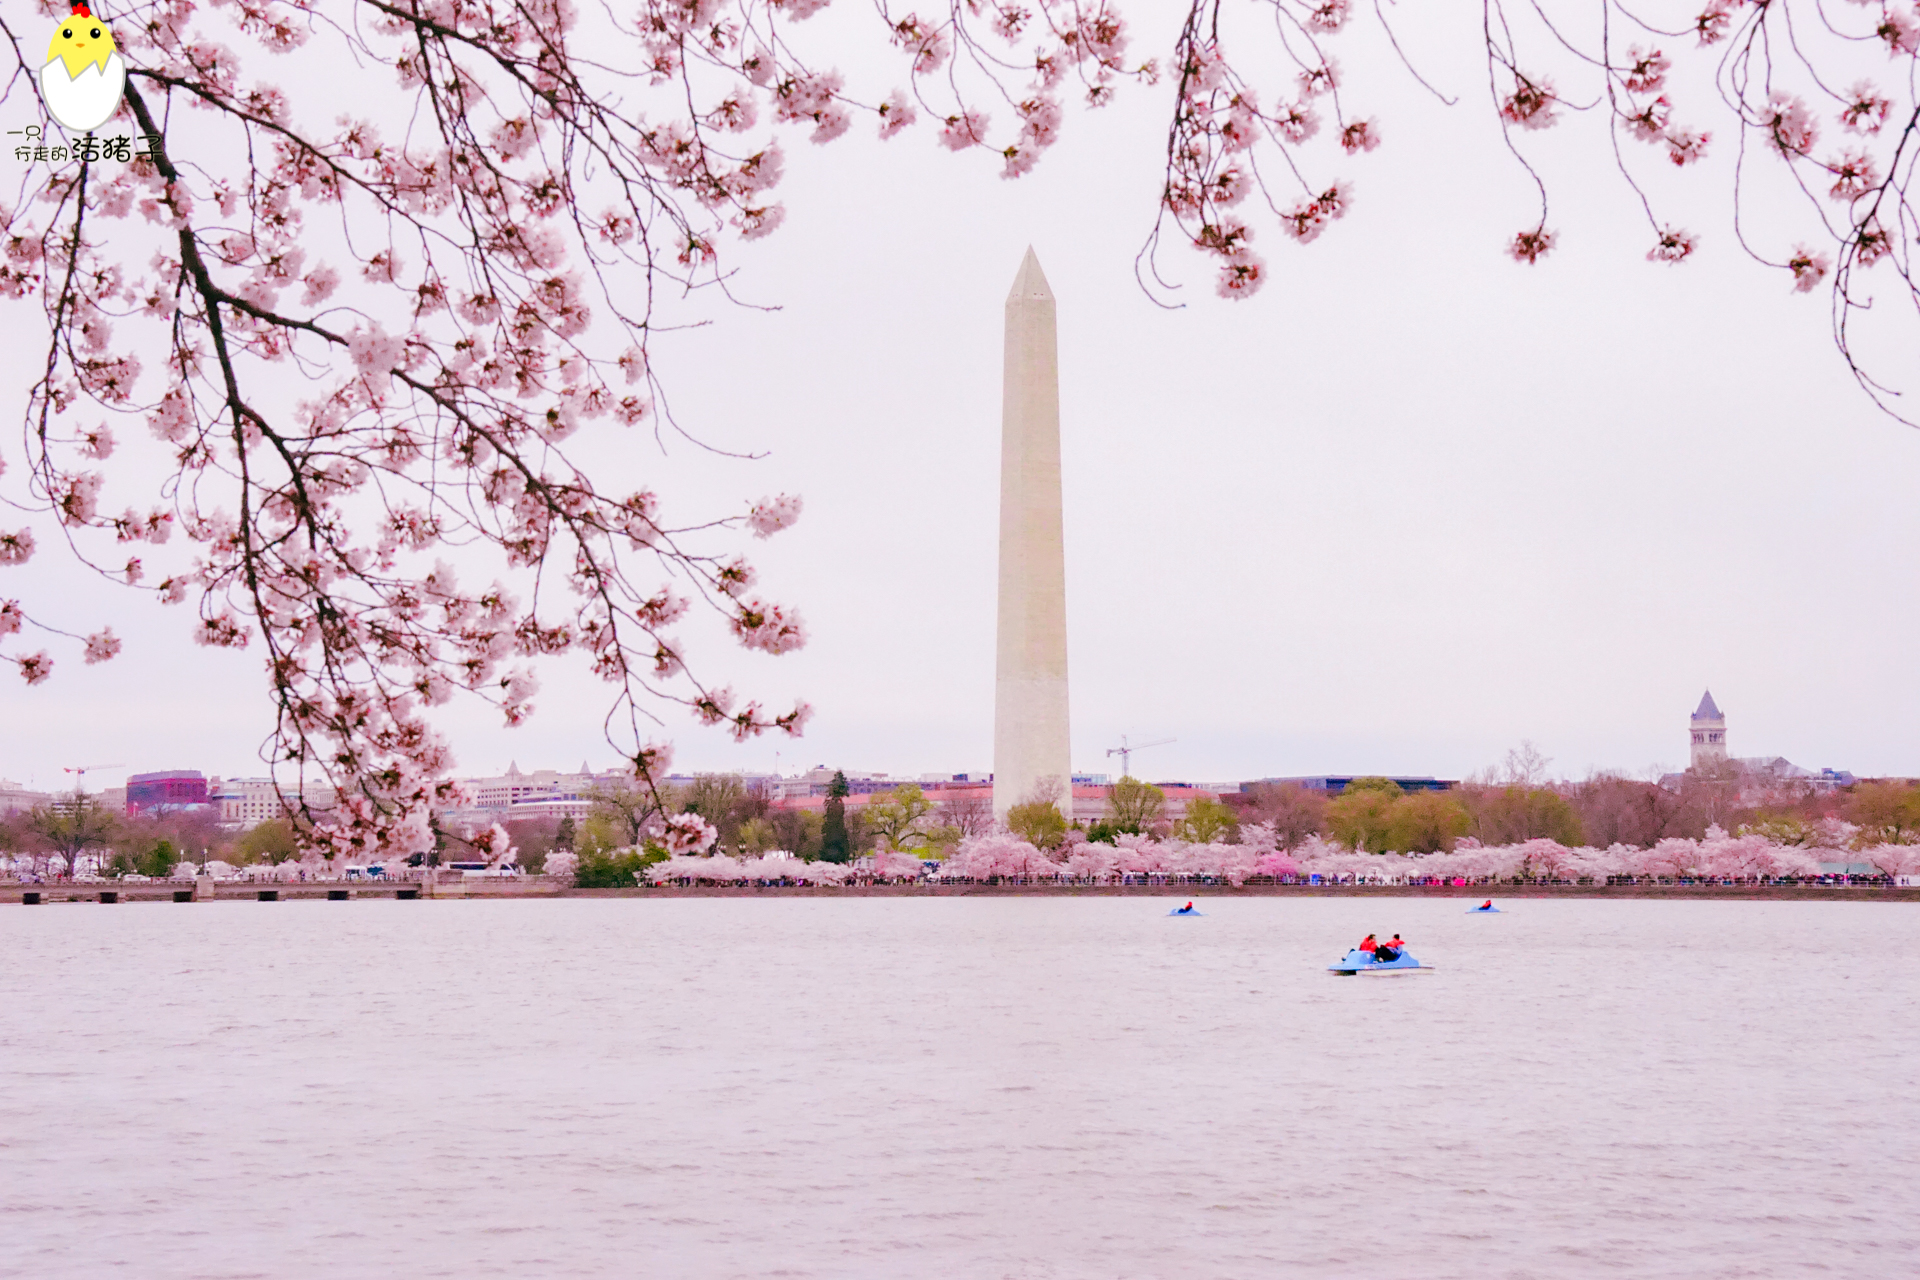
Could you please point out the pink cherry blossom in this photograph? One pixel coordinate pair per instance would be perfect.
(1531, 246)
(1242, 277)
(97, 443)
(1649, 123)
(1900, 31)
(771, 628)
(1328, 15)
(1854, 174)
(889, 864)
(1866, 110)
(1685, 147)
(770, 515)
(896, 114)
(102, 645)
(967, 129)
(1530, 105)
(1790, 125)
(1296, 122)
(1646, 70)
(1712, 23)
(688, 833)
(1873, 244)
(1319, 80)
(1672, 246)
(1809, 268)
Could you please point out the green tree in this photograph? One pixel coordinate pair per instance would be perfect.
(1133, 807)
(613, 868)
(563, 837)
(725, 800)
(1039, 823)
(157, 861)
(1516, 813)
(1206, 821)
(798, 831)
(942, 840)
(1361, 817)
(1885, 812)
(269, 841)
(899, 820)
(1781, 828)
(835, 845)
(602, 833)
(1426, 822)
(757, 836)
(625, 806)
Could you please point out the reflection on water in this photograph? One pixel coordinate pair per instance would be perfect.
(1040, 1087)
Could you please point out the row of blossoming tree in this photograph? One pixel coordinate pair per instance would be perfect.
(1005, 857)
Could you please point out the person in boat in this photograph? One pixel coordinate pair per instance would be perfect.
(1390, 949)
(1487, 905)
(1189, 907)
(1368, 944)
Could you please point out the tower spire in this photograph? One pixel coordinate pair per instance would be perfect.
(1709, 729)
(1030, 737)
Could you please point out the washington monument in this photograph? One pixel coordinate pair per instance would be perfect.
(1030, 683)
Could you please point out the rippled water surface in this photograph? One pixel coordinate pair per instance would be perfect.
(1031, 1087)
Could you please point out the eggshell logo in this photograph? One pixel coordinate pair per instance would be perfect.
(85, 75)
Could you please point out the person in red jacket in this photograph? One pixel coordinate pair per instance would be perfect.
(1367, 943)
(1390, 949)
(1487, 905)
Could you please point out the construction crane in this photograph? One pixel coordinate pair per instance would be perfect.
(80, 781)
(1126, 749)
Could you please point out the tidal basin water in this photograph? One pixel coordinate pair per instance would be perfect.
(1017, 1087)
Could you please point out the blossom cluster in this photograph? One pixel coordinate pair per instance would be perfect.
(721, 869)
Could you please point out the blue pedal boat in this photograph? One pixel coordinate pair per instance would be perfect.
(1358, 961)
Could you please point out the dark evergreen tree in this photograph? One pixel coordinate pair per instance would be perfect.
(563, 838)
(834, 845)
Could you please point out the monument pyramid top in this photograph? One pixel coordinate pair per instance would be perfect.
(1031, 283)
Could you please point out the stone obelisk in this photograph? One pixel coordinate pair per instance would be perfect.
(1030, 747)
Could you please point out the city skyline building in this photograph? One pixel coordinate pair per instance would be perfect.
(170, 789)
(1709, 730)
(1031, 747)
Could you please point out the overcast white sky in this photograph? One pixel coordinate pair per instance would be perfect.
(1411, 505)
